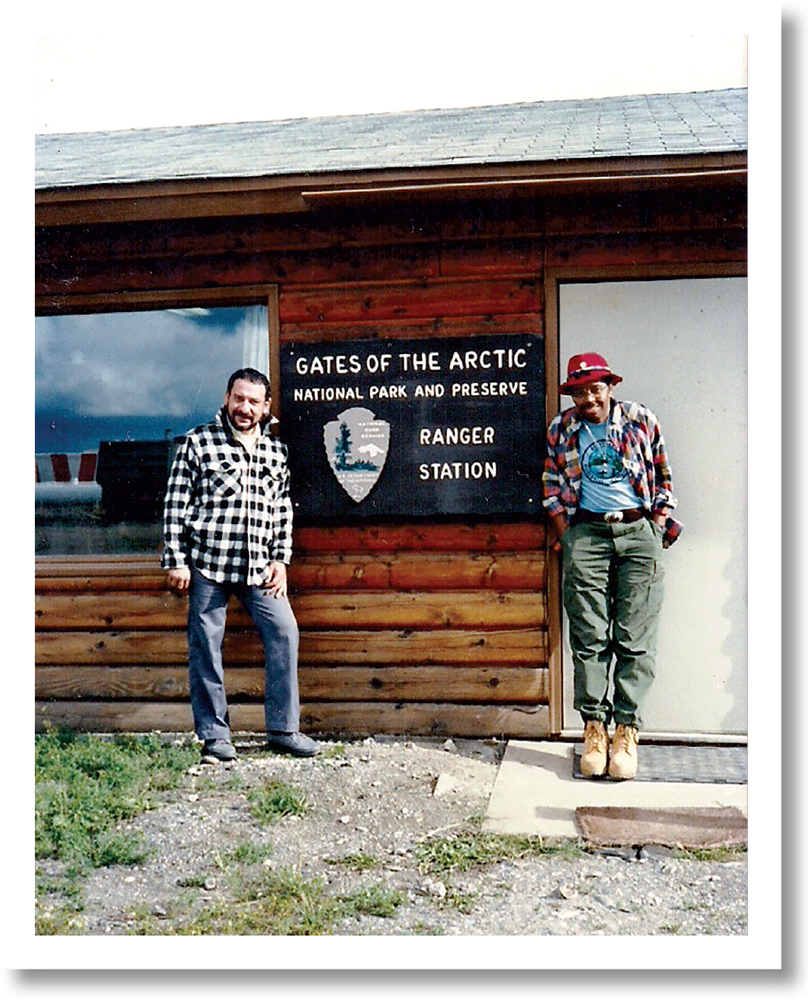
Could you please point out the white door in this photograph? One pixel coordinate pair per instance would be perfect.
(680, 346)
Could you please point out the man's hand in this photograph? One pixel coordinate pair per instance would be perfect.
(179, 579)
(660, 517)
(275, 580)
(559, 522)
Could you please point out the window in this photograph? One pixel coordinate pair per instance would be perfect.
(113, 393)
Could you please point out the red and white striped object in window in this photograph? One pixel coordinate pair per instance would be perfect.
(70, 467)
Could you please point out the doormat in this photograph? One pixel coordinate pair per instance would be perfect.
(696, 764)
(694, 827)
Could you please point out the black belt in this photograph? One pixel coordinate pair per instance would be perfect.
(610, 517)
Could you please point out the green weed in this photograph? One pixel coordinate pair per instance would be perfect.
(58, 921)
(227, 781)
(87, 786)
(246, 853)
(69, 889)
(464, 902)
(193, 882)
(357, 862)
(277, 799)
(269, 903)
(375, 901)
(721, 855)
(473, 849)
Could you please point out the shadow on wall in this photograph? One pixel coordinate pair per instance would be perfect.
(735, 646)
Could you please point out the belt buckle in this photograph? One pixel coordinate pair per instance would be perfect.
(613, 516)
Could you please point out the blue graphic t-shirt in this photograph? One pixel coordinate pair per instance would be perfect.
(605, 484)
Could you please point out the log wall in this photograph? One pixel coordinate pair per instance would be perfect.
(433, 630)
(420, 628)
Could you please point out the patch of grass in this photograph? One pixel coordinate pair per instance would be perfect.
(59, 903)
(58, 921)
(69, 889)
(464, 902)
(268, 902)
(357, 862)
(246, 853)
(329, 751)
(193, 882)
(564, 848)
(271, 903)
(374, 901)
(277, 799)
(227, 781)
(721, 855)
(473, 849)
(86, 786)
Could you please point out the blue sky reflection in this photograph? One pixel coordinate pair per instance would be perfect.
(143, 375)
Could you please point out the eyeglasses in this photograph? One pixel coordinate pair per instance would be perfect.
(593, 389)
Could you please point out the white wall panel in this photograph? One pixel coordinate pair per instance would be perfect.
(680, 346)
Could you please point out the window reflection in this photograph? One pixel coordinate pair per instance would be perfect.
(113, 393)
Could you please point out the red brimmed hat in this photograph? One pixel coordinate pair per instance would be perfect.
(585, 368)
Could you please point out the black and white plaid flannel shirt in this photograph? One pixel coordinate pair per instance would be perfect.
(227, 510)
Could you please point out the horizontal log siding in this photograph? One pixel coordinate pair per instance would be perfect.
(426, 629)
(527, 722)
(397, 683)
(403, 629)
(353, 238)
(372, 610)
(497, 240)
(449, 646)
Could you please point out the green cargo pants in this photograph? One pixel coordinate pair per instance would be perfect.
(613, 586)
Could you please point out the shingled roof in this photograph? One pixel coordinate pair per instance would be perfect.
(633, 126)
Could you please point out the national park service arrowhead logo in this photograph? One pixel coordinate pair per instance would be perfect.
(356, 445)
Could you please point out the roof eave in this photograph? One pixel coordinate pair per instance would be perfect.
(279, 194)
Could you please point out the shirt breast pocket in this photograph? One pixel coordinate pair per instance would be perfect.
(272, 480)
(222, 481)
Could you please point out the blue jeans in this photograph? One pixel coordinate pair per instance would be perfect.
(613, 587)
(275, 621)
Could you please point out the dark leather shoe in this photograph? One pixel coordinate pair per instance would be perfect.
(216, 750)
(294, 743)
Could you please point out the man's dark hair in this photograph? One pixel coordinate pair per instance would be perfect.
(250, 375)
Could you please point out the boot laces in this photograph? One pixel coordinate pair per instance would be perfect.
(595, 738)
(624, 740)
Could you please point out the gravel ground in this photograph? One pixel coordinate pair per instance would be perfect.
(380, 797)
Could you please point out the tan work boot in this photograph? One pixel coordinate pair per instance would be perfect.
(596, 749)
(623, 754)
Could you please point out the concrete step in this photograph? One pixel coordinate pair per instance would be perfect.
(535, 792)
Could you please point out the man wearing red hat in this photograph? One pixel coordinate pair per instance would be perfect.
(608, 493)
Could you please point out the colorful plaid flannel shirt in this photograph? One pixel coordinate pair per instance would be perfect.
(635, 433)
(227, 510)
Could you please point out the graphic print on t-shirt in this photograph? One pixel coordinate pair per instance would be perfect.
(602, 464)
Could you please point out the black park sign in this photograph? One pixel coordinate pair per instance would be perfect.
(406, 428)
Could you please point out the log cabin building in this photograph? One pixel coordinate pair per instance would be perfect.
(414, 282)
